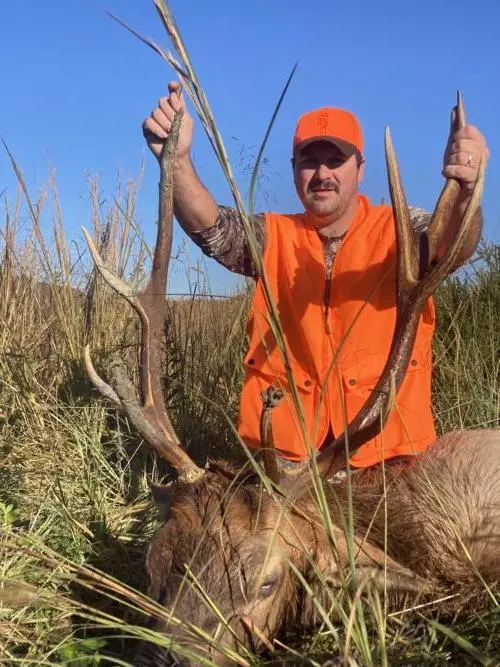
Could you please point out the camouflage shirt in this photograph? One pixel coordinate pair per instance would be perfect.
(226, 240)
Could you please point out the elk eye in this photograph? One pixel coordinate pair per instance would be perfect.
(268, 587)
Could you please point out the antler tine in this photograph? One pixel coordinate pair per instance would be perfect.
(270, 399)
(150, 418)
(407, 248)
(449, 194)
(412, 294)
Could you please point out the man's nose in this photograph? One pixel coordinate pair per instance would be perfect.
(323, 172)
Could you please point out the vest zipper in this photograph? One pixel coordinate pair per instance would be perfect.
(328, 284)
(330, 346)
(327, 350)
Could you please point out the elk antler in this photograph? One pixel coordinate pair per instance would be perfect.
(149, 417)
(270, 399)
(412, 294)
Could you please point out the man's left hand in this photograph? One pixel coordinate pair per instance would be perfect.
(465, 148)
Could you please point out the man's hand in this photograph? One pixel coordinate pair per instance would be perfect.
(194, 206)
(464, 150)
(462, 155)
(157, 126)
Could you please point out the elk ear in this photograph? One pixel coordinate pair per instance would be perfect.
(374, 569)
(383, 572)
(398, 580)
(162, 497)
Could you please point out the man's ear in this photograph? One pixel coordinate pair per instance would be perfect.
(361, 171)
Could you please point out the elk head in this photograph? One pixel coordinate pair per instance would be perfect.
(229, 562)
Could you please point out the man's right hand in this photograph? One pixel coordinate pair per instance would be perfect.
(157, 126)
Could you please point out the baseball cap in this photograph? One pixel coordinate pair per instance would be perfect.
(338, 126)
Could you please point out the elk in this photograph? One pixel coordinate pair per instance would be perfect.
(233, 553)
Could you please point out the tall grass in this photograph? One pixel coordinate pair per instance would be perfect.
(467, 347)
(74, 478)
(72, 475)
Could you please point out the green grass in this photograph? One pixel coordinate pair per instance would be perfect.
(467, 348)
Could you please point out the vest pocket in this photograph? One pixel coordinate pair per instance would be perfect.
(271, 367)
(263, 371)
(360, 378)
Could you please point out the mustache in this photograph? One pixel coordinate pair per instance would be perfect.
(325, 186)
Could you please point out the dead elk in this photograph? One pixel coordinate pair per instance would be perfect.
(229, 561)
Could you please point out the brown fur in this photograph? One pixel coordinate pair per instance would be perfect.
(235, 537)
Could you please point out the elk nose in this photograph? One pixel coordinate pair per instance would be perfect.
(152, 655)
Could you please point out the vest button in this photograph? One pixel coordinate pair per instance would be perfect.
(307, 383)
(352, 382)
(251, 362)
(413, 362)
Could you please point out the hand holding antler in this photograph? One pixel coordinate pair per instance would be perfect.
(156, 127)
(464, 150)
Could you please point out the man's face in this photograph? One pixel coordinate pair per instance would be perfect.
(326, 181)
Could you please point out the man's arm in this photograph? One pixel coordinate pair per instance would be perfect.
(194, 206)
(226, 241)
(218, 230)
(421, 219)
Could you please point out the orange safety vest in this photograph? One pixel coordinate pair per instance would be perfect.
(336, 353)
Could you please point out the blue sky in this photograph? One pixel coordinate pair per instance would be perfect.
(76, 88)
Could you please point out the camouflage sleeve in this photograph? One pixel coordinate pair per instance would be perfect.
(420, 218)
(227, 243)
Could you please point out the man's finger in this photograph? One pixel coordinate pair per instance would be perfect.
(150, 128)
(161, 119)
(467, 146)
(173, 86)
(466, 175)
(464, 158)
(165, 105)
(469, 132)
(177, 100)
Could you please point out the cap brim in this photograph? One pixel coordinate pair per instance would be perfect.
(345, 147)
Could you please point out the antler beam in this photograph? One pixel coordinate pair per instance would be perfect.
(149, 416)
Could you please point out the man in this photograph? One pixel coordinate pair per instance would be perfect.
(331, 273)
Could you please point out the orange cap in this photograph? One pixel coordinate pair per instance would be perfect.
(328, 124)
